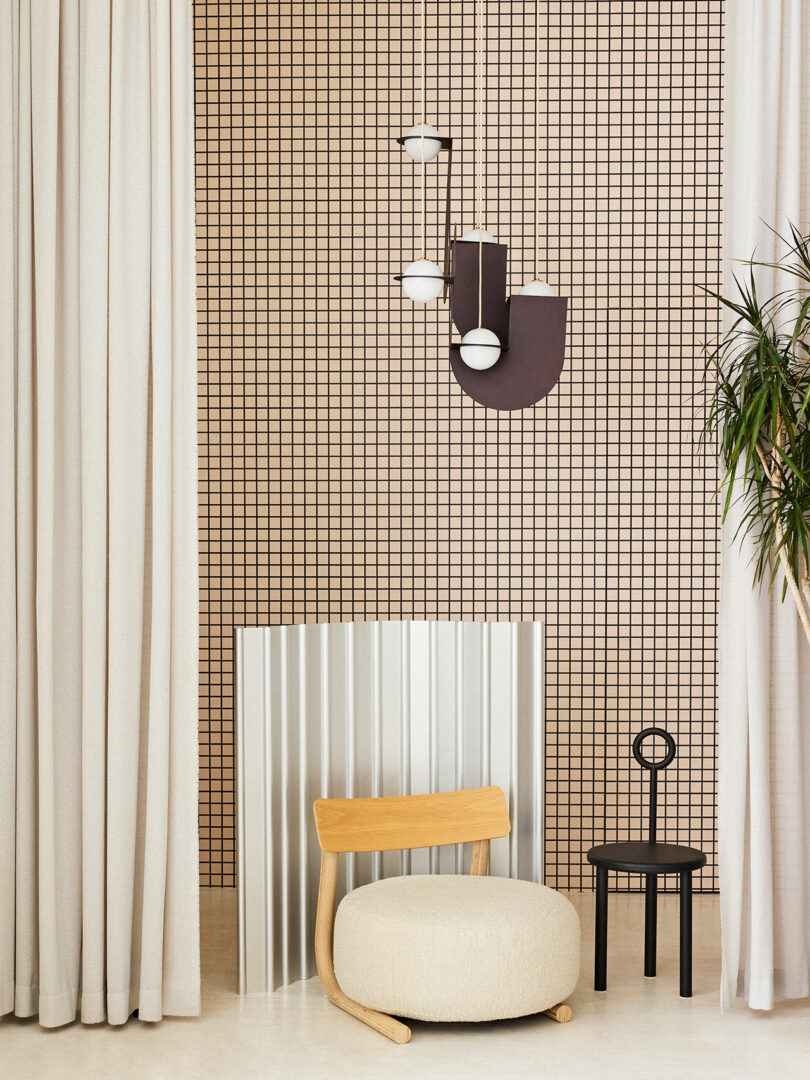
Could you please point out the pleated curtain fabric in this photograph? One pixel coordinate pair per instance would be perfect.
(764, 691)
(98, 512)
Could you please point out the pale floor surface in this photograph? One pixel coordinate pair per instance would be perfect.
(640, 1028)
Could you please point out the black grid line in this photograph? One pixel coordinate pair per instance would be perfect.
(343, 473)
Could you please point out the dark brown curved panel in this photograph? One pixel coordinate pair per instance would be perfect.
(532, 329)
(464, 296)
(531, 366)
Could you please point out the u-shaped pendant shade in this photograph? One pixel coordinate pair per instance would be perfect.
(531, 330)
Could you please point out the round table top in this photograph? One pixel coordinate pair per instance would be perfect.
(640, 857)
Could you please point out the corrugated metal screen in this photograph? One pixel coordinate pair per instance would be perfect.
(374, 708)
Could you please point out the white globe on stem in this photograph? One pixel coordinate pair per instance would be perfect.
(422, 281)
(474, 235)
(480, 348)
(422, 139)
(537, 288)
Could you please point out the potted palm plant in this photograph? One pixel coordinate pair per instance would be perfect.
(759, 411)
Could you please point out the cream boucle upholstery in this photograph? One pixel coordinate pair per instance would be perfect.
(451, 947)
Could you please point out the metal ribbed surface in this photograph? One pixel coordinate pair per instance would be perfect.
(373, 708)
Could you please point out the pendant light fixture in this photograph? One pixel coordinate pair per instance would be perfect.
(423, 280)
(422, 142)
(480, 347)
(512, 348)
(514, 360)
(474, 235)
(537, 287)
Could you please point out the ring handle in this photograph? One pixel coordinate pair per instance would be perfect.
(654, 766)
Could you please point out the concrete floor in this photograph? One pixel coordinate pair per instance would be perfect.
(639, 1028)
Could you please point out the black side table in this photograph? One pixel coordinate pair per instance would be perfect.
(650, 859)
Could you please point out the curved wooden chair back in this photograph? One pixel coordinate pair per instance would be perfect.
(476, 815)
(411, 821)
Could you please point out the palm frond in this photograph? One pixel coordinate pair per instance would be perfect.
(757, 405)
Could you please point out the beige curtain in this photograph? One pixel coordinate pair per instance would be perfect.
(98, 510)
(764, 690)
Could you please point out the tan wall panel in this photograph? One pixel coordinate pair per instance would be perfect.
(343, 473)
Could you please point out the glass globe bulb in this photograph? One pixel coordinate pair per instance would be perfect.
(484, 348)
(422, 281)
(473, 235)
(537, 288)
(417, 141)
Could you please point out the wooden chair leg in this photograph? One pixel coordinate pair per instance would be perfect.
(324, 926)
(393, 1029)
(561, 1013)
(479, 863)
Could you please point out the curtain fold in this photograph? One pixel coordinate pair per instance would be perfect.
(98, 512)
(764, 687)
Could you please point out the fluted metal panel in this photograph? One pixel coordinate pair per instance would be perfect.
(373, 708)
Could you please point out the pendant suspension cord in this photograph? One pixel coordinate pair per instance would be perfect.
(424, 225)
(423, 74)
(537, 140)
(479, 132)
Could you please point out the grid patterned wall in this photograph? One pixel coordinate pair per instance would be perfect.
(343, 473)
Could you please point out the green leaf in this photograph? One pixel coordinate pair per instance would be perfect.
(757, 402)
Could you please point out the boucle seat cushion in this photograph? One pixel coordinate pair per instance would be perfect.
(456, 947)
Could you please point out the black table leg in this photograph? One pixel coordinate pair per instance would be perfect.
(650, 924)
(686, 934)
(600, 961)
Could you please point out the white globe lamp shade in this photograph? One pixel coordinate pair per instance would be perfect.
(422, 281)
(476, 235)
(480, 348)
(422, 143)
(537, 288)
